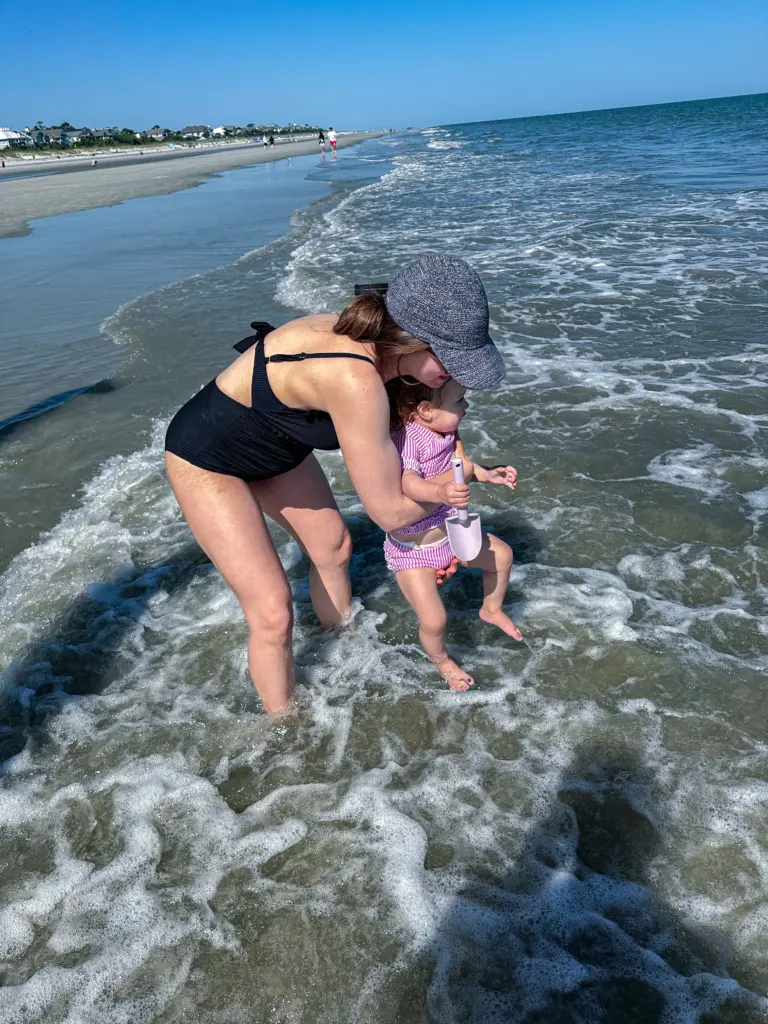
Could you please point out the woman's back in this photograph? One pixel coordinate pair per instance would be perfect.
(298, 384)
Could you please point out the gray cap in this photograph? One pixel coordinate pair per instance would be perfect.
(441, 300)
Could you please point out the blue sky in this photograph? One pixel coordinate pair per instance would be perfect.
(363, 64)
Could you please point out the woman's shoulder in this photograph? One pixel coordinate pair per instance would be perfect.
(314, 334)
(309, 330)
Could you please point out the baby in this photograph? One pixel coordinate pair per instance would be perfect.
(425, 421)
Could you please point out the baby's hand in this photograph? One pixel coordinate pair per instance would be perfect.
(455, 495)
(505, 475)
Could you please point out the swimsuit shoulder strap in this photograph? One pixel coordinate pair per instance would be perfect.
(262, 395)
(297, 357)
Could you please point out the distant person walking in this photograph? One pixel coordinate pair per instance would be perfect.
(321, 141)
(332, 140)
(264, 140)
(271, 141)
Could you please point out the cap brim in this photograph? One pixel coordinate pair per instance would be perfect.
(477, 369)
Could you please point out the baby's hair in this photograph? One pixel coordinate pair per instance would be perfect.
(404, 400)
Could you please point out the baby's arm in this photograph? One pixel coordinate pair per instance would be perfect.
(436, 490)
(440, 490)
(506, 475)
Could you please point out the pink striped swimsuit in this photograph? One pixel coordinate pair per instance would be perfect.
(428, 454)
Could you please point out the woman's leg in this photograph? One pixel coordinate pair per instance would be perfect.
(419, 587)
(302, 503)
(495, 559)
(229, 526)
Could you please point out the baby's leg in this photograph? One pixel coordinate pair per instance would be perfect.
(495, 559)
(419, 586)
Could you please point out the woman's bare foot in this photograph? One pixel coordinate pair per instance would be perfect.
(283, 713)
(502, 621)
(456, 677)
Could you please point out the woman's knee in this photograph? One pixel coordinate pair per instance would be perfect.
(270, 617)
(335, 553)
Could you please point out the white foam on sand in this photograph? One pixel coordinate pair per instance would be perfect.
(352, 800)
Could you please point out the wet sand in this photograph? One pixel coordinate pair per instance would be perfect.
(28, 197)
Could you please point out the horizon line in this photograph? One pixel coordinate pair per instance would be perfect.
(598, 110)
(563, 113)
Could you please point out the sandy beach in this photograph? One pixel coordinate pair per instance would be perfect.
(72, 185)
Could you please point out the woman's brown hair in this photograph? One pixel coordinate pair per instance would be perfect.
(365, 318)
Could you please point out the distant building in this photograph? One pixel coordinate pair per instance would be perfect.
(59, 137)
(195, 131)
(156, 134)
(224, 129)
(102, 134)
(39, 136)
(9, 139)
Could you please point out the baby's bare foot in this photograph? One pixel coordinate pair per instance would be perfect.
(456, 677)
(503, 621)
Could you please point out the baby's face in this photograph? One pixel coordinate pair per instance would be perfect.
(452, 409)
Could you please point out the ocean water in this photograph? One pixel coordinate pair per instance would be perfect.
(581, 838)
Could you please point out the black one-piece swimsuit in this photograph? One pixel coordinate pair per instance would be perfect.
(216, 433)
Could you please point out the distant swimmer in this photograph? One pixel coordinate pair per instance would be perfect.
(332, 140)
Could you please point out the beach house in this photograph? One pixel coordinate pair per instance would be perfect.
(196, 131)
(10, 139)
(38, 136)
(225, 129)
(157, 134)
(59, 136)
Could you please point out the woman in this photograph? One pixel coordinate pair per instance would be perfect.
(241, 448)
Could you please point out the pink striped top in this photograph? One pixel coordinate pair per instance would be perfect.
(428, 454)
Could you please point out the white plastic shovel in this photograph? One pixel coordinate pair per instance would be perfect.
(464, 531)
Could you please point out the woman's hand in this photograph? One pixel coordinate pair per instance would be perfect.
(445, 574)
(506, 476)
(455, 495)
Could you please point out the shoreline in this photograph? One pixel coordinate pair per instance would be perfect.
(86, 267)
(75, 186)
(21, 163)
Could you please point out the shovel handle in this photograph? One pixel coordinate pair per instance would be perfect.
(458, 478)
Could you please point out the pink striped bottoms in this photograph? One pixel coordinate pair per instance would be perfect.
(399, 556)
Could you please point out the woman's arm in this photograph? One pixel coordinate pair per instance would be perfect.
(359, 409)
